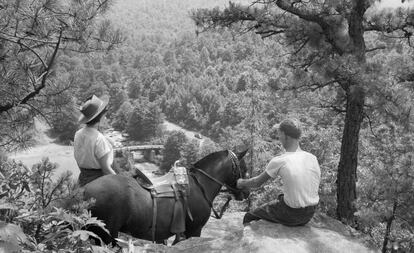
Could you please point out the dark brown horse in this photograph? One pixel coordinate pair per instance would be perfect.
(127, 207)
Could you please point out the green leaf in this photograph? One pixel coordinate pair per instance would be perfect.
(95, 221)
(7, 206)
(11, 233)
(83, 234)
(9, 247)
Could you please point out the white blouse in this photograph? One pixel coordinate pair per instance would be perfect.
(89, 146)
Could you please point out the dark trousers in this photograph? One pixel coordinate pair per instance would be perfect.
(278, 212)
(88, 175)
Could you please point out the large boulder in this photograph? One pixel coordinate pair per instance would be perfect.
(322, 234)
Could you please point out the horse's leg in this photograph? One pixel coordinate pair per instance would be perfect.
(193, 233)
(114, 226)
(114, 235)
(161, 242)
(104, 236)
(179, 237)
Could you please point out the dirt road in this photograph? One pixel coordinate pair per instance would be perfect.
(46, 147)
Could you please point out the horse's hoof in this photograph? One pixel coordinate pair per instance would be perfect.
(179, 238)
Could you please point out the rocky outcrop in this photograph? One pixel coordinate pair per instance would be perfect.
(322, 234)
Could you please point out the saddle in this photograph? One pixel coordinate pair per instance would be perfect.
(174, 184)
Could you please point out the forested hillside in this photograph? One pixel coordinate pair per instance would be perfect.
(234, 83)
(160, 18)
(234, 86)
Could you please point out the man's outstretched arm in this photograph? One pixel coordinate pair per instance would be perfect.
(253, 182)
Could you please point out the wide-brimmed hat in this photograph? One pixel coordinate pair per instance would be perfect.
(92, 108)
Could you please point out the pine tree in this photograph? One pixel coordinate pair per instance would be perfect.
(144, 121)
(122, 116)
(34, 34)
(172, 149)
(118, 96)
(387, 185)
(329, 49)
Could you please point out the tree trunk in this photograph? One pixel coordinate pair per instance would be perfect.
(388, 229)
(387, 234)
(348, 162)
(346, 180)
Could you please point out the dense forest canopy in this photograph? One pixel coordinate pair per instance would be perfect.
(233, 82)
(32, 37)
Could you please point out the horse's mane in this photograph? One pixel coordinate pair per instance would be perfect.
(206, 161)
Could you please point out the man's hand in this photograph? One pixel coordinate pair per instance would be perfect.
(253, 182)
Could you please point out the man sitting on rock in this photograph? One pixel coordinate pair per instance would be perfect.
(300, 175)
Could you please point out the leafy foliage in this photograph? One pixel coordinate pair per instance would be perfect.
(31, 211)
(189, 153)
(117, 99)
(122, 116)
(144, 121)
(387, 187)
(172, 147)
(64, 122)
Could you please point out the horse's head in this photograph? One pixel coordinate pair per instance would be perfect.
(225, 168)
(239, 170)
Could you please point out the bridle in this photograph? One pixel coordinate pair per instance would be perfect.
(236, 171)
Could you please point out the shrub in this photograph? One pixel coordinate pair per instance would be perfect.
(189, 153)
(65, 123)
(121, 118)
(32, 214)
(386, 187)
(172, 149)
(144, 121)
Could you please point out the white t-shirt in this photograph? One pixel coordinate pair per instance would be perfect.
(89, 146)
(300, 175)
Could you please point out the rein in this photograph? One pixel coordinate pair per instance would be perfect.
(233, 158)
(209, 202)
(217, 181)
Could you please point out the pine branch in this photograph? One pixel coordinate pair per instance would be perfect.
(19, 42)
(375, 48)
(327, 29)
(301, 46)
(370, 125)
(312, 86)
(269, 33)
(44, 75)
(387, 28)
(337, 109)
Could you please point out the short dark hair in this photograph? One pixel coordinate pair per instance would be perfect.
(96, 119)
(291, 128)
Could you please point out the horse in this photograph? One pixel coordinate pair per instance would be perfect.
(125, 206)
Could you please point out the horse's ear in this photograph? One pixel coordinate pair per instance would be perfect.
(242, 154)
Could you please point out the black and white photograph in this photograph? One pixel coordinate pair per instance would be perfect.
(242, 126)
